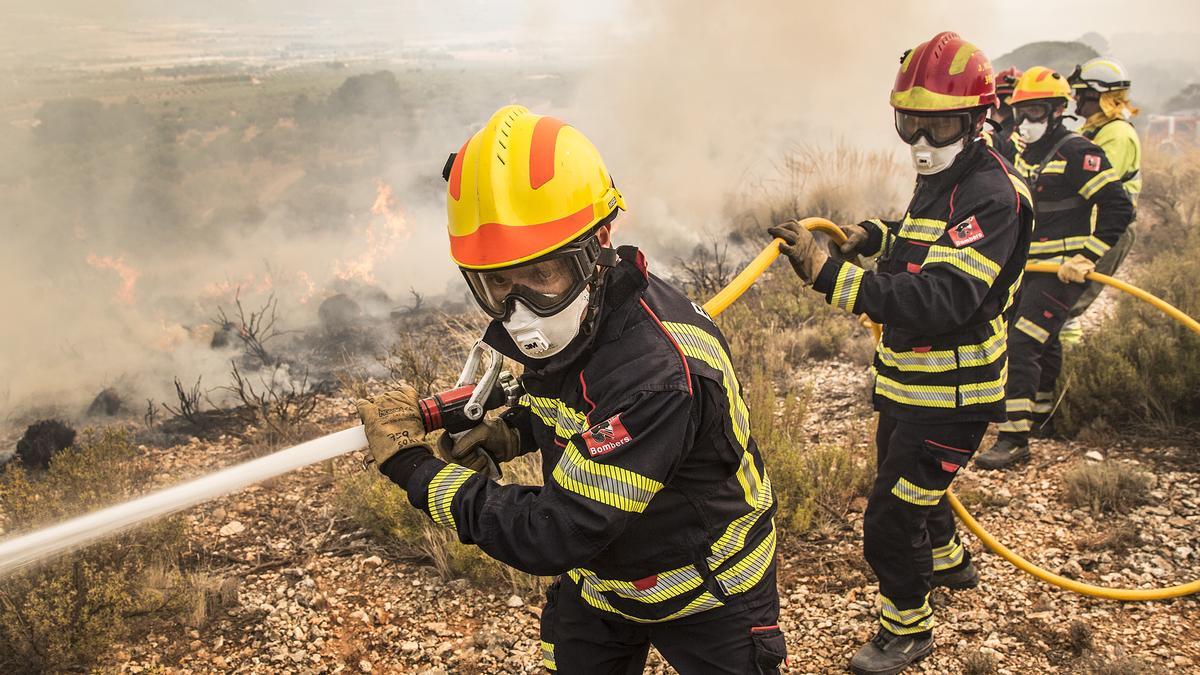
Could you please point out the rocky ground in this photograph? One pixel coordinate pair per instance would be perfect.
(304, 591)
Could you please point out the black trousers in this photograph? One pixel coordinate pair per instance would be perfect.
(1034, 350)
(733, 640)
(908, 529)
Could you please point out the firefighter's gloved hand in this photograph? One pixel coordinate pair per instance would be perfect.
(856, 235)
(1075, 270)
(495, 436)
(801, 248)
(392, 422)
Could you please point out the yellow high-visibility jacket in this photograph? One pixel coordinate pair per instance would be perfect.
(1119, 141)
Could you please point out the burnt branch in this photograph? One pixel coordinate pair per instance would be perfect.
(188, 407)
(255, 329)
(708, 269)
(278, 401)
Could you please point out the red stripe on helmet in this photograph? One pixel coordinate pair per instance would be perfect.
(541, 151)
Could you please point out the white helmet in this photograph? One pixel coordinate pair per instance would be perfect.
(1100, 74)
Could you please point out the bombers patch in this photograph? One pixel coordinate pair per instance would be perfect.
(966, 232)
(606, 436)
(1091, 163)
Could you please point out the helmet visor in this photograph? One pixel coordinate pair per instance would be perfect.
(546, 285)
(939, 130)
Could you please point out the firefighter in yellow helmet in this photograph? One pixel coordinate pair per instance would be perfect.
(1102, 99)
(656, 515)
(1082, 210)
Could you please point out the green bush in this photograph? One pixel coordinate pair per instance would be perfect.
(1105, 486)
(65, 613)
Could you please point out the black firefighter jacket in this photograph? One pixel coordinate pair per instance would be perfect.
(656, 504)
(1082, 206)
(947, 275)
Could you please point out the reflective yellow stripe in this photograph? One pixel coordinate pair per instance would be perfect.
(1021, 188)
(988, 351)
(548, 655)
(705, 601)
(1015, 426)
(1033, 330)
(614, 486)
(940, 361)
(1098, 182)
(1058, 166)
(948, 556)
(557, 415)
(922, 229)
(442, 488)
(1028, 170)
(915, 494)
(990, 391)
(1096, 246)
(747, 572)
(1013, 405)
(700, 345)
(733, 539)
(1044, 402)
(845, 290)
(668, 585)
(905, 621)
(930, 396)
(966, 260)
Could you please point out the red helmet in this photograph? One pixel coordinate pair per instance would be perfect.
(1006, 82)
(942, 75)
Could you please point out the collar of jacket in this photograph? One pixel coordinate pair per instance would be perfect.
(618, 295)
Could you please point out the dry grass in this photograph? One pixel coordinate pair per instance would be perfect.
(978, 663)
(1106, 486)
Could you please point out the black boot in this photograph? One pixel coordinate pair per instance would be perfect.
(957, 579)
(1003, 454)
(888, 653)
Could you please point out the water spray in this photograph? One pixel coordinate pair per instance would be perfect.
(454, 411)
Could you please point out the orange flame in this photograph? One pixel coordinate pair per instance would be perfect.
(382, 234)
(129, 275)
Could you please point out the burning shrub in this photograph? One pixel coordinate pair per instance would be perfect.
(42, 440)
(63, 614)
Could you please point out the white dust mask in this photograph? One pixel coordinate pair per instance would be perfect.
(541, 337)
(928, 160)
(1032, 132)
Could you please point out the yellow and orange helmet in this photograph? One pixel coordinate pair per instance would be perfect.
(523, 186)
(1040, 84)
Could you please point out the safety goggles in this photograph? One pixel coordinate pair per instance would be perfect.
(1031, 112)
(546, 285)
(939, 130)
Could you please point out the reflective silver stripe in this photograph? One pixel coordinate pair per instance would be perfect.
(1098, 182)
(1032, 330)
(1043, 402)
(932, 396)
(922, 229)
(948, 556)
(1096, 246)
(919, 362)
(1018, 405)
(442, 489)
(905, 621)
(1015, 426)
(614, 486)
(747, 572)
(705, 601)
(915, 494)
(557, 415)
(845, 289)
(987, 351)
(548, 655)
(976, 393)
(668, 584)
(966, 260)
(733, 539)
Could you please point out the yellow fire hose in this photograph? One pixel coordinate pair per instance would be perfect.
(746, 278)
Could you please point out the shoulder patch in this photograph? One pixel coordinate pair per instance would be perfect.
(966, 232)
(607, 436)
(1091, 162)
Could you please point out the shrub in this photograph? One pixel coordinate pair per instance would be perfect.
(978, 663)
(1105, 486)
(65, 613)
(42, 440)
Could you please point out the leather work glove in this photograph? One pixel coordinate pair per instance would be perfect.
(392, 422)
(496, 437)
(801, 248)
(856, 235)
(1075, 270)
